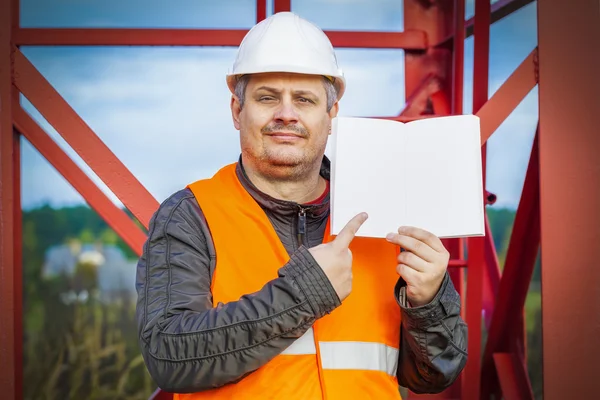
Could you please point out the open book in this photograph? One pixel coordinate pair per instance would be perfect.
(426, 173)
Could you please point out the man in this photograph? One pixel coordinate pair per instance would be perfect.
(243, 293)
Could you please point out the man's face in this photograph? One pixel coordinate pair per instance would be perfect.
(284, 123)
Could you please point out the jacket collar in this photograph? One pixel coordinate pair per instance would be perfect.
(284, 208)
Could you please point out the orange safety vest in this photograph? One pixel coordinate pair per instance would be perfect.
(351, 353)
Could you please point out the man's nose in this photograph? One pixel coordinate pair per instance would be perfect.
(286, 113)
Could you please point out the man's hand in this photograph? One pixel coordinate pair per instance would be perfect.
(423, 264)
(335, 258)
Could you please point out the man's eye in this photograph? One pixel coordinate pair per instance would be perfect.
(305, 100)
(266, 98)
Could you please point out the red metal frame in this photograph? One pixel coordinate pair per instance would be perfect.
(18, 252)
(477, 259)
(569, 196)
(9, 319)
(434, 47)
(414, 39)
(506, 330)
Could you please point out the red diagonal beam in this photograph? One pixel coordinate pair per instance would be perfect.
(83, 140)
(506, 328)
(116, 218)
(513, 377)
(507, 97)
(412, 39)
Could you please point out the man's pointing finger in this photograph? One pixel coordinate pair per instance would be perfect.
(346, 235)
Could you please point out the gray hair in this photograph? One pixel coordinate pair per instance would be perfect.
(242, 83)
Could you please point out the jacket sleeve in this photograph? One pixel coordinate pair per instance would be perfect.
(433, 343)
(191, 345)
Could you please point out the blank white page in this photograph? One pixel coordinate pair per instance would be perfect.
(367, 165)
(444, 176)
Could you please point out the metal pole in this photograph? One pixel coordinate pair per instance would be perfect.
(569, 101)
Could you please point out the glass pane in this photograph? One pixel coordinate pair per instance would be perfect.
(356, 15)
(79, 329)
(138, 14)
(508, 153)
(165, 111)
(511, 40)
(375, 82)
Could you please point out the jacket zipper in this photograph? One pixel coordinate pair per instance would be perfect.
(301, 226)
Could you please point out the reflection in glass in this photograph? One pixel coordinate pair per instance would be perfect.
(79, 330)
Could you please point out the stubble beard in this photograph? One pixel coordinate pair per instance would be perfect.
(281, 164)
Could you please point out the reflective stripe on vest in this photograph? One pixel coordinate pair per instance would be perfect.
(349, 353)
(305, 344)
(359, 355)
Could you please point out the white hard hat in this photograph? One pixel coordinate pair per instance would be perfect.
(284, 42)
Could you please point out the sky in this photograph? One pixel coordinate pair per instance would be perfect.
(164, 111)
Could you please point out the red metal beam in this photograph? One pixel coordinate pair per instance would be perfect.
(417, 101)
(492, 275)
(506, 330)
(83, 140)
(412, 39)
(116, 218)
(458, 57)
(508, 96)
(512, 374)
(8, 318)
(282, 5)
(475, 275)
(18, 253)
(127, 37)
(569, 102)
(477, 258)
(18, 263)
(261, 10)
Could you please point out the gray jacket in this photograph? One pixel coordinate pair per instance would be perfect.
(189, 346)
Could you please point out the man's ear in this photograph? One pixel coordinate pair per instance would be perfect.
(235, 111)
(334, 109)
